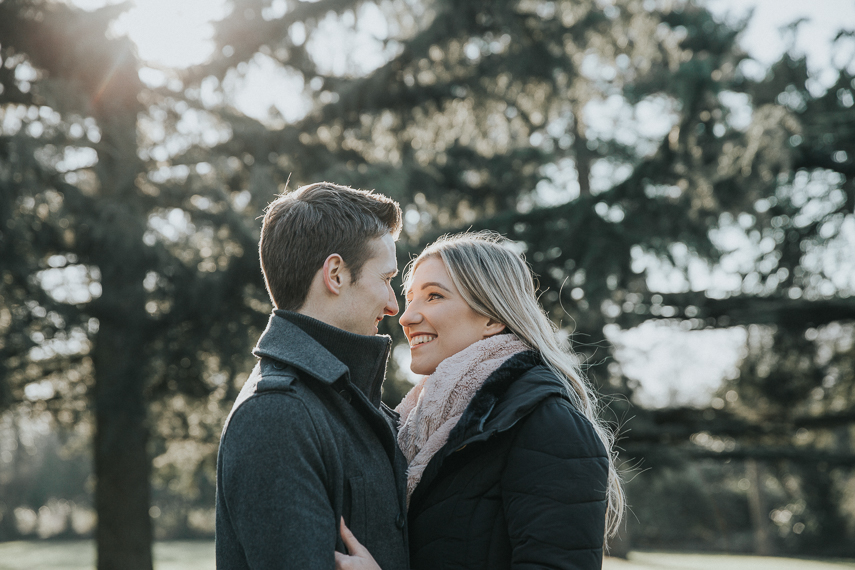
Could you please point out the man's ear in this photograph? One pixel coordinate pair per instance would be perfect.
(493, 327)
(333, 273)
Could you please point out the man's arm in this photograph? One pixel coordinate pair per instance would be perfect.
(273, 485)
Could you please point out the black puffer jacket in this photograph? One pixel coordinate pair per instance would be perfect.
(521, 482)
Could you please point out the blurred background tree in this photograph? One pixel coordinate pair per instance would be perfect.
(653, 182)
(107, 319)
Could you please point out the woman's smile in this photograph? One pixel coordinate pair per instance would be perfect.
(421, 339)
(438, 321)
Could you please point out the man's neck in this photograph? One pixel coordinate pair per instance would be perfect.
(322, 312)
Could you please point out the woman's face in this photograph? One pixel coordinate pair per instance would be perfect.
(437, 321)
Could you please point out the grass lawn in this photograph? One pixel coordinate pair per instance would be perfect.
(199, 555)
(80, 555)
(684, 561)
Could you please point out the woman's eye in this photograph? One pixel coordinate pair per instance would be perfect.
(433, 296)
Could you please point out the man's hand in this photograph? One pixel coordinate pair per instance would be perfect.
(359, 558)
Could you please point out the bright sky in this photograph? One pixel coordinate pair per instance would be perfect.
(169, 33)
(176, 33)
(765, 41)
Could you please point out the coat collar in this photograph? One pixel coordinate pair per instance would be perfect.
(507, 396)
(326, 353)
(510, 394)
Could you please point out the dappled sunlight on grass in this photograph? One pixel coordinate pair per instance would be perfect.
(59, 555)
(686, 561)
(80, 555)
(199, 555)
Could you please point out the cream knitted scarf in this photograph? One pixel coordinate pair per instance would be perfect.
(433, 407)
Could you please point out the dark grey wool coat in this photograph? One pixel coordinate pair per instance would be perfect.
(521, 482)
(307, 443)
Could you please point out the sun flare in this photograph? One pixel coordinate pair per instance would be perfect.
(168, 33)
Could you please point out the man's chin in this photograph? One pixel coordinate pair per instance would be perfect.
(368, 331)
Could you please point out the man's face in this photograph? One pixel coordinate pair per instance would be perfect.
(366, 302)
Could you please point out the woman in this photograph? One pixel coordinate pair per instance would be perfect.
(509, 464)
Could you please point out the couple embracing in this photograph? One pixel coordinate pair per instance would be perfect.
(495, 459)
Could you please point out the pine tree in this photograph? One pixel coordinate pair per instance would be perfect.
(101, 311)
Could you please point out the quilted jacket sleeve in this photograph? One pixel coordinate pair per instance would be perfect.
(554, 491)
(272, 478)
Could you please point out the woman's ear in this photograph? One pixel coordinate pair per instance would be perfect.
(493, 327)
(333, 273)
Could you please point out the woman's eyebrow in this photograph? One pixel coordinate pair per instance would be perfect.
(435, 284)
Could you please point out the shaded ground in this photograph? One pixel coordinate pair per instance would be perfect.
(199, 555)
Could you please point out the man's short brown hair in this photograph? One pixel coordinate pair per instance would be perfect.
(301, 229)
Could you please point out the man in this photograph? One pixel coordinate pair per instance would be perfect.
(308, 442)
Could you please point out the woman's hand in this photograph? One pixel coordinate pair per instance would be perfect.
(359, 558)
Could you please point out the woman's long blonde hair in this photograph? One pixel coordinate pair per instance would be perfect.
(497, 283)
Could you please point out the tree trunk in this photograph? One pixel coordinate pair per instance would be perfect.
(122, 466)
(582, 154)
(757, 507)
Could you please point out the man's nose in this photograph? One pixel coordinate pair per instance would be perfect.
(391, 304)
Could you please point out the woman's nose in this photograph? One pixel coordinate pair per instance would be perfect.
(409, 317)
